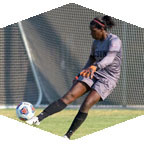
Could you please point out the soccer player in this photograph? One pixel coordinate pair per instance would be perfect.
(99, 76)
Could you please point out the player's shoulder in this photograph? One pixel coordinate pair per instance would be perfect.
(113, 37)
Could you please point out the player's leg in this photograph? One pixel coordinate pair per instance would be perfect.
(90, 100)
(100, 90)
(76, 91)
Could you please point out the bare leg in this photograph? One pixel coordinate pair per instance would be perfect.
(90, 100)
(76, 91)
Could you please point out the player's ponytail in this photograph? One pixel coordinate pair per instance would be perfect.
(108, 21)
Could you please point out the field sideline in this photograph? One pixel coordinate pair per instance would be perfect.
(98, 119)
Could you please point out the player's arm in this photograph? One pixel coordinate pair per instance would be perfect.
(114, 48)
(91, 58)
(87, 70)
(89, 62)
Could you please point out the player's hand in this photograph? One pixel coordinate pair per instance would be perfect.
(89, 72)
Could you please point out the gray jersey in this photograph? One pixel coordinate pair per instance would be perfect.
(108, 56)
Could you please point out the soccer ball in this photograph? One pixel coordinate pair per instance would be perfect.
(25, 111)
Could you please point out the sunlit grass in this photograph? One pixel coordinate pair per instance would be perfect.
(97, 119)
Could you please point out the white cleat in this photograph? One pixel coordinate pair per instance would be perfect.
(33, 121)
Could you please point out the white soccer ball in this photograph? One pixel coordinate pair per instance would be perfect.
(25, 111)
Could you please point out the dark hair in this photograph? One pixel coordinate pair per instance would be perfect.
(104, 22)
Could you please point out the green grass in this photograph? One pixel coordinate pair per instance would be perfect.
(98, 119)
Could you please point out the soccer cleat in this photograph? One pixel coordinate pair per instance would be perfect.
(33, 121)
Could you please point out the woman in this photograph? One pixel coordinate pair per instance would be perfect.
(99, 76)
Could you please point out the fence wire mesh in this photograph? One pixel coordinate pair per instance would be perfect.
(60, 44)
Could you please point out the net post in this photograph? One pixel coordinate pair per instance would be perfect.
(26, 44)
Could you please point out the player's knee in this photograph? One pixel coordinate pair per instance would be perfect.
(86, 106)
(69, 98)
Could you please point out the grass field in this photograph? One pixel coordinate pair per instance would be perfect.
(98, 119)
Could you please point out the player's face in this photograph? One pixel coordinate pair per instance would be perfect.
(96, 33)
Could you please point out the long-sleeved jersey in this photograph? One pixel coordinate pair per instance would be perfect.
(107, 55)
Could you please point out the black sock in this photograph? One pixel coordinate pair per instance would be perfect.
(51, 109)
(79, 119)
